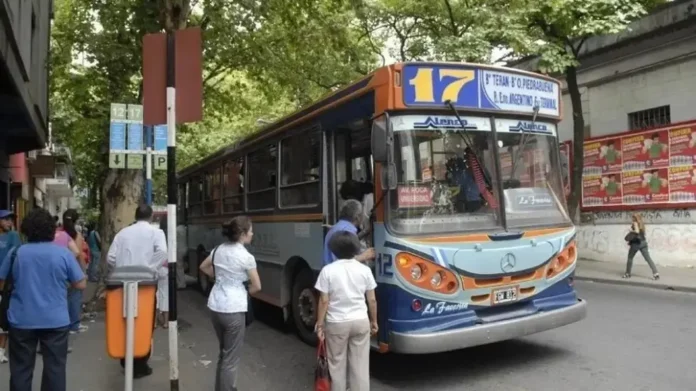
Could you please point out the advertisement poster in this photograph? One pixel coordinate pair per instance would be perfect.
(682, 146)
(682, 184)
(646, 187)
(602, 156)
(599, 190)
(645, 151)
(414, 197)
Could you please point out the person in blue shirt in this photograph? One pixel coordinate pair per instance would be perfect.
(350, 218)
(38, 312)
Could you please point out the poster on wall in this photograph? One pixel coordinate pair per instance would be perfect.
(602, 156)
(645, 187)
(682, 146)
(645, 151)
(599, 190)
(682, 184)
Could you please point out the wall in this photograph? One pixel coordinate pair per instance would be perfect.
(671, 235)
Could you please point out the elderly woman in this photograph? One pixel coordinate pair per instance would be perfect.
(343, 315)
(349, 219)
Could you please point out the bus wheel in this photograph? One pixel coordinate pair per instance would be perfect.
(304, 307)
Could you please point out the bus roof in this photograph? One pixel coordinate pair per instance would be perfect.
(377, 78)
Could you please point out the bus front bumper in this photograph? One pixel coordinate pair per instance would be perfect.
(443, 341)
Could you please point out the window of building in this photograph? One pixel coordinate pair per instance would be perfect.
(195, 197)
(650, 118)
(212, 192)
(299, 183)
(262, 178)
(233, 185)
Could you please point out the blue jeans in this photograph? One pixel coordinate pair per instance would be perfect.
(54, 346)
(93, 267)
(74, 308)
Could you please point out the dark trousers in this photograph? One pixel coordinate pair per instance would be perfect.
(54, 348)
(632, 250)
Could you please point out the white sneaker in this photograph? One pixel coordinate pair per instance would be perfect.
(3, 357)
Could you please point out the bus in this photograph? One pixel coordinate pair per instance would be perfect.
(470, 226)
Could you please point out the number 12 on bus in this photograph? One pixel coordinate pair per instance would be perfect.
(473, 239)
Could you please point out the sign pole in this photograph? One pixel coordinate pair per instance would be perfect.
(171, 213)
(148, 165)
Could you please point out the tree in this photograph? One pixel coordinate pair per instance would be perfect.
(557, 32)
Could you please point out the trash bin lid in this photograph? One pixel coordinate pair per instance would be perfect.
(142, 274)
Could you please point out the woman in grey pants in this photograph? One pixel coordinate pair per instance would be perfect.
(231, 265)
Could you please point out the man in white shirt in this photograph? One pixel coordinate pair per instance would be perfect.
(136, 245)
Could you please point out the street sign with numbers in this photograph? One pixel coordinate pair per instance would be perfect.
(135, 113)
(160, 162)
(135, 162)
(117, 160)
(119, 112)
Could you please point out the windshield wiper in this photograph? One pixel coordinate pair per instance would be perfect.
(468, 145)
(526, 136)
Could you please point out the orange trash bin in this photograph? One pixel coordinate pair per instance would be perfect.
(116, 314)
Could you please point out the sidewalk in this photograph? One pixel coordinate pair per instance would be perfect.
(672, 278)
(91, 369)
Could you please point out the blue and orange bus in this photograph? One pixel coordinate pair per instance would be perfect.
(473, 239)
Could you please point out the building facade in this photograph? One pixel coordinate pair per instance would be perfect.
(642, 78)
(24, 50)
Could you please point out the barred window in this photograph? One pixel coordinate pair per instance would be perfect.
(650, 118)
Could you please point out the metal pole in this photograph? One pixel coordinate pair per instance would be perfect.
(171, 214)
(130, 293)
(148, 165)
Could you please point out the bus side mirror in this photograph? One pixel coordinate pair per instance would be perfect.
(381, 141)
(388, 178)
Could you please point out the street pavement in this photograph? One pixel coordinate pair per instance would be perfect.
(633, 339)
(672, 278)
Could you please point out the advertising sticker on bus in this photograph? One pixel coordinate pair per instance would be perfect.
(600, 190)
(682, 184)
(645, 151)
(602, 157)
(682, 146)
(415, 197)
(647, 187)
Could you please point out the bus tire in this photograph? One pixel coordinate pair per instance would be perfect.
(304, 307)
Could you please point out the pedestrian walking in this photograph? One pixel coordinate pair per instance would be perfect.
(231, 265)
(69, 226)
(342, 319)
(637, 242)
(136, 245)
(9, 239)
(94, 243)
(38, 312)
(350, 218)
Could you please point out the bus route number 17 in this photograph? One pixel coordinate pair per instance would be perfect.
(384, 265)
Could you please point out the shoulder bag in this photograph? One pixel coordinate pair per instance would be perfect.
(7, 292)
(249, 316)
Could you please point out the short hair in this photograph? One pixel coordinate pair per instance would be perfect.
(39, 226)
(235, 228)
(352, 211)
(143, 212)
(344, 245)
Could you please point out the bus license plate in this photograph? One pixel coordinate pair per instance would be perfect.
(505, 295)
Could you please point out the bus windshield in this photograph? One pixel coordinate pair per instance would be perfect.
(447, 178)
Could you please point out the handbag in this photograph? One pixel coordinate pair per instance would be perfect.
(632, 237)
(6, 293)
(322, 377)
(249, 316)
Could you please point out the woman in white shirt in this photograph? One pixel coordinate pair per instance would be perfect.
(343, 316)
(231, 265)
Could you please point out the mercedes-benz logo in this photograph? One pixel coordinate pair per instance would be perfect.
(508, 262)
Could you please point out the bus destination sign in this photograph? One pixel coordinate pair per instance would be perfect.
(480, 88)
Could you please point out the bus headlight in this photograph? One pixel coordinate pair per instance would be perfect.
(436, 280)
(416, 272)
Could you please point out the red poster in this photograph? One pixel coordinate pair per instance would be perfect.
(645, 151)
(565, 166)
(646, 187)
(415, 197)
(682, 146)
(598, 190)
(602, 156)
(682, 184)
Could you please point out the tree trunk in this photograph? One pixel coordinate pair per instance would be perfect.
(578, 140)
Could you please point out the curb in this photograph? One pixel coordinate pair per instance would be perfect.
(664, 287)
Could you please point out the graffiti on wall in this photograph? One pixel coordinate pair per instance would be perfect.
(664, 216)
